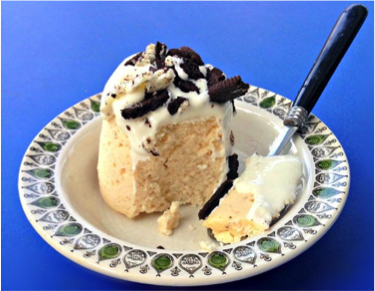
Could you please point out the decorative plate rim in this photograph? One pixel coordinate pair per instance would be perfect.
(77, 240)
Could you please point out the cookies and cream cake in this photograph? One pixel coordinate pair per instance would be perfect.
(165, 131)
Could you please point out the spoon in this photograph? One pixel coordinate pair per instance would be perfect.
(338, 42)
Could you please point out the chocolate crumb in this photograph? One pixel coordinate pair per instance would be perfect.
(145, 106)
(233, 165)
(227, 90)
(128, 127)
(113, 95)
(133, 60)
(175, 104)
(214, 200)
(148, 122)
(231, 138)
(160, 247)
(214, 76)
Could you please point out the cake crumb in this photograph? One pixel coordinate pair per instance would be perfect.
(207, 246)
(202, 166)
(169, 219)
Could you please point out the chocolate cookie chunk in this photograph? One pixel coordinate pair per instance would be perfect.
(133, 60)
(145, 106)
(176, 53)
(228, 89)
(175, 104)
(185, 86)
(233, 165)
(214, 76)
(191, 54)
(160, 51)
(214, 200)
(191, 69)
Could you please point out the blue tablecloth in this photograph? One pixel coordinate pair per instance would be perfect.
(56, 54)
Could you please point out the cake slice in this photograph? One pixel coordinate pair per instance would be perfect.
(247, 205)
(165, 131)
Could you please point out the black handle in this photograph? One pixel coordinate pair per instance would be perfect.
(338, 42)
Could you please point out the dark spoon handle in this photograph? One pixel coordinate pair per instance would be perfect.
(338, 42)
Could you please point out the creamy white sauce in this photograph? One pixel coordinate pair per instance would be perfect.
(273, 182)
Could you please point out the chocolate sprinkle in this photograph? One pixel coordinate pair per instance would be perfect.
(191, 54)
(141, 108)
(233, 165)
(227, 90)
(113, 95)
(133, 60)
(160, 247)
(214, 76)
(175, 104)
(154, 153)
(191, 69)
(214, 200)
(128, 127)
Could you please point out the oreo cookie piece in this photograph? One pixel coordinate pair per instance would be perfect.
(191, 54)
(176, 53)
(175, 104)
(185, 86)
(145, 106)
(228, 89)
(233, 165)
(214, 76)
(133, 60)
(191, 69)
(160, 51)
(214, 200)
(158, 64)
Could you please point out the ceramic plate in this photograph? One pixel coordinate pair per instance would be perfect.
(59, 193)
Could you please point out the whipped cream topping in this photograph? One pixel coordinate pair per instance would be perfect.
(273, 182)
(128, 85)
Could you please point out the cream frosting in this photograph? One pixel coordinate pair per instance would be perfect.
(272, 181)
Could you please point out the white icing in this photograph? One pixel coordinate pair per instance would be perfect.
(272, 181)
(129, 84)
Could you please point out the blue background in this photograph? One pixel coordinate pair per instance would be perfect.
(56, 54)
